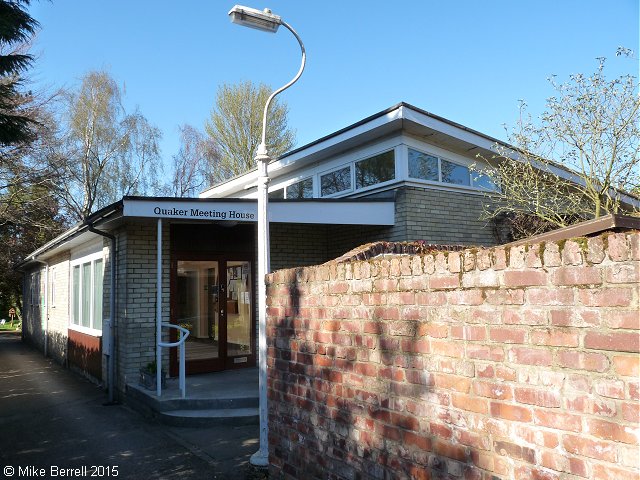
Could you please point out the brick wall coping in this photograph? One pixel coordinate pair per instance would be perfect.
(375, 249)
(587, 251)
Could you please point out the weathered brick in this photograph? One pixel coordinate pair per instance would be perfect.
(465, 297)
(617, 341)
(496, 391)
(469, 403)
(628, 366)
(511, 412)
(525, 316)
(555, 337)
(609, 472)
(612, 431)
(623, 273)
(628, 319)
(595, 250)
(441, 282)
(522, 278)
(504, 296)
(512, 450)
(549, 296)
(606, 297)
(577, 276)
(572, 253)
(533, 396)
(631, 412)
(618, 248)
(557, 420)
(507, 335)
(469, 332)
(595, 362)
(485, 352)
(531, 356)
(609, 388)
(581, 445)
(452, 382)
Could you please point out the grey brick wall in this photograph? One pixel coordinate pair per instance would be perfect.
(136, 300)
(435, 216)
(59, 308)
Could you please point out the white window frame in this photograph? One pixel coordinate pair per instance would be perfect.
(53, 274)
(313, 186)
(79, 262)
(471, 187)
(348, 165)
(380, 184)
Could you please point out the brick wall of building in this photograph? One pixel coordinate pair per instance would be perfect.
(435, 216)
(492, 364)
(59, 272)
(136, 299)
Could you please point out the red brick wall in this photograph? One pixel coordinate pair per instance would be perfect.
(517, 363)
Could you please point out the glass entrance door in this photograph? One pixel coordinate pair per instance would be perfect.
(213, 300)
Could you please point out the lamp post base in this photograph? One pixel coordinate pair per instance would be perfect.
(260, 459)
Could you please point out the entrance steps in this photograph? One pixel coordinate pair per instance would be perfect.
(222, 398)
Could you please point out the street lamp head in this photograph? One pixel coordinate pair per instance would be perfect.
(253, 18)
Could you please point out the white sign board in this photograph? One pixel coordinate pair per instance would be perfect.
(317, 211)
(189, 210)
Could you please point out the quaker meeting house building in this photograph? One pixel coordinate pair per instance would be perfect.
(93, 296)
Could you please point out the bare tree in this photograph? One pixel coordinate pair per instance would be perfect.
(580, 162)
(194, 164)
(109, 153)
(236, 126)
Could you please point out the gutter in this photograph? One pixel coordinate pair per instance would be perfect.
(112, 312)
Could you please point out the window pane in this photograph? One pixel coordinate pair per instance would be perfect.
(423, 166)
(378, 169)
(86, 295)
(484, 181)
(97, 294)
(335, 182)
(198, 307)
(276, 194)
(75, 314)
(303, 189)
(239, 308)
(452, 173)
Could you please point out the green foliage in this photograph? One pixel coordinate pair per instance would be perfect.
(16, 28)
(31, 219)
(235, 126)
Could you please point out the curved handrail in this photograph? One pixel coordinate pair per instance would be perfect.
(181, 348)
(179, 342)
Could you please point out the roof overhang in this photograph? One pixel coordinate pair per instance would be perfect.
(312, 211)
(401, 118)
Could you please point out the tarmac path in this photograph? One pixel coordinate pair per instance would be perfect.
(54, 423)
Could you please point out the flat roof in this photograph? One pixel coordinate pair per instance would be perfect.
(352, 211)
(583, 229)
(361, 211)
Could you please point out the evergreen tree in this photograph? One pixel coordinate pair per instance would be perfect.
(16, 28)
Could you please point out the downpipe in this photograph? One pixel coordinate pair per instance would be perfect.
(112, 313)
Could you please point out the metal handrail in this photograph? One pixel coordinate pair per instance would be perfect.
(180, 344)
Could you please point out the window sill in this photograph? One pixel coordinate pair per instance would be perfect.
(86, 330)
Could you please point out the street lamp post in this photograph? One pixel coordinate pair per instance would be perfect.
(267, 22)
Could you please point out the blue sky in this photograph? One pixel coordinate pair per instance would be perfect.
(468, 61)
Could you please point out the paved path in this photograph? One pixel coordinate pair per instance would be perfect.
(50, 417)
